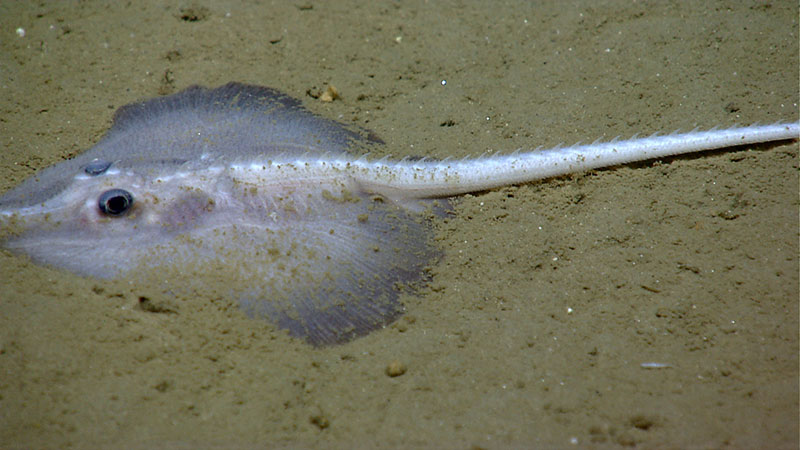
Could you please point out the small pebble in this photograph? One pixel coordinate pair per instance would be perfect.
(395, 369)
(330, 94)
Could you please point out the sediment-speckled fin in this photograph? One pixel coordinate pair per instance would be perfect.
(345, 281)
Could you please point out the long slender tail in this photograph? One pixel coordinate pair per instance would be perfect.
(427, 179)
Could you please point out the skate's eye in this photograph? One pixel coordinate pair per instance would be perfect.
(115, 202)
(96, 167)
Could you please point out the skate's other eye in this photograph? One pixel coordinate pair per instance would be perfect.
(96, 167)
(115, 202)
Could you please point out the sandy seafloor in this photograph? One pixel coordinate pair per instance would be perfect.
(549, 296)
